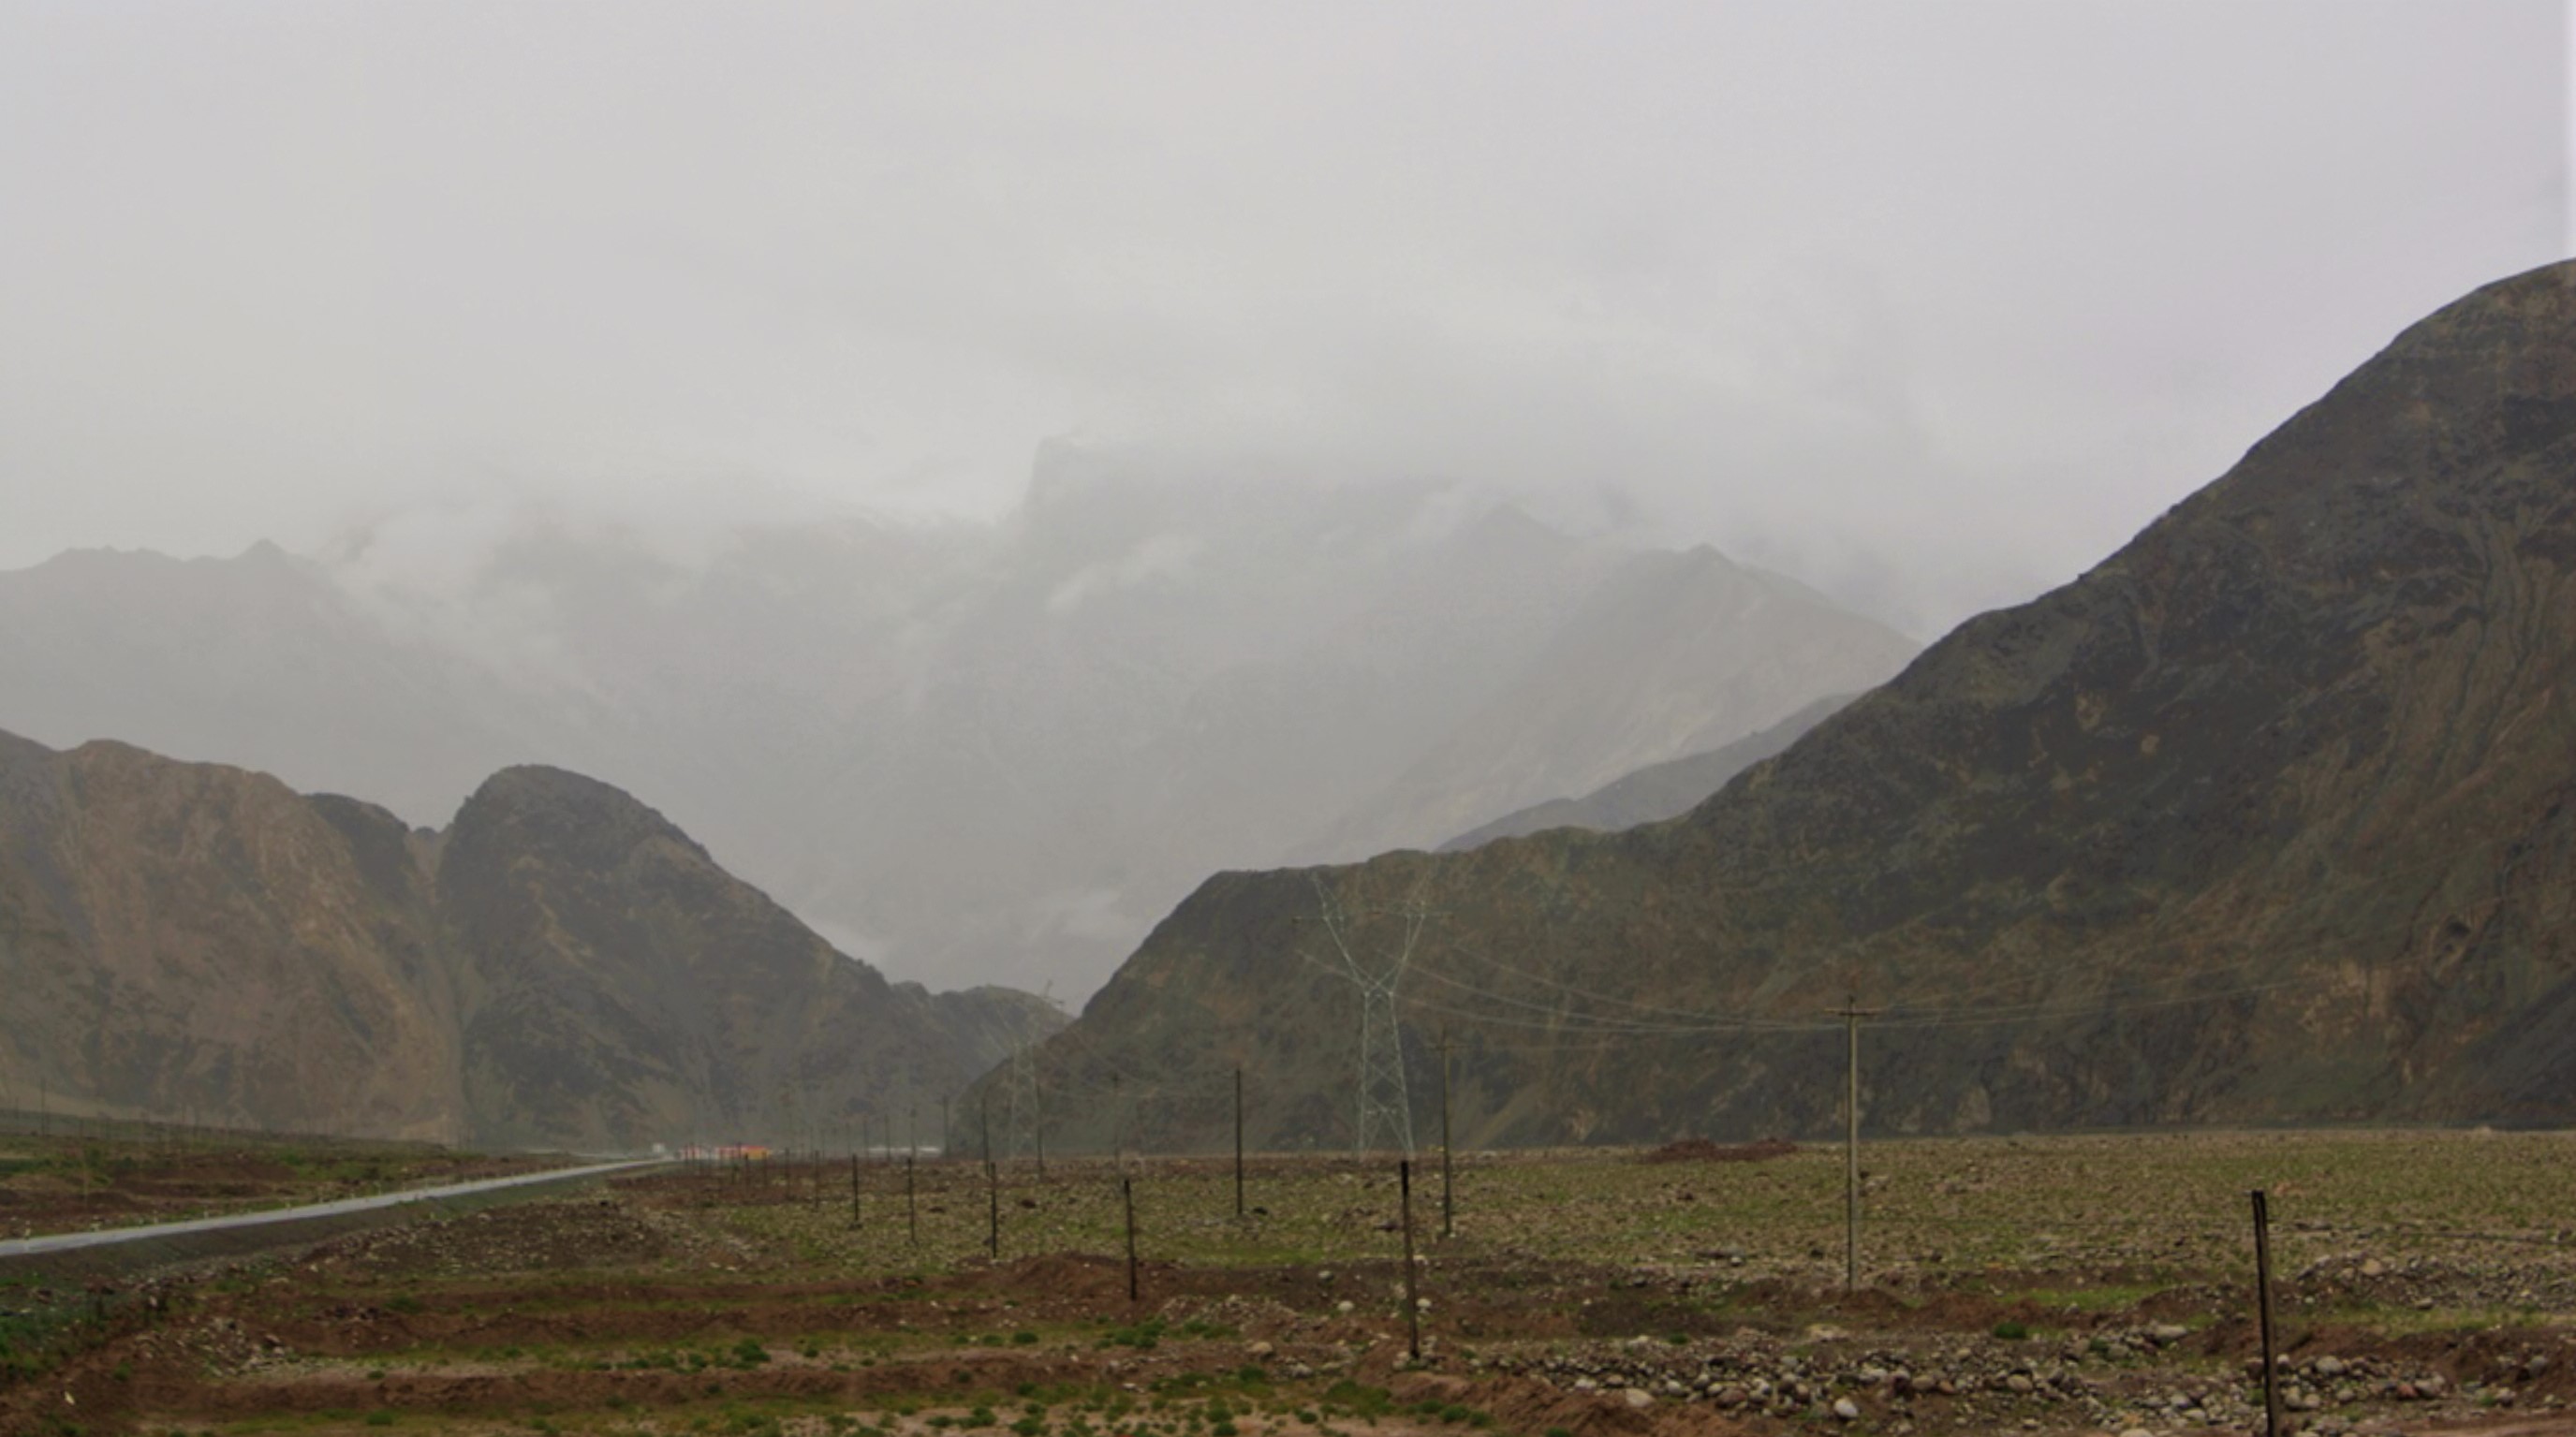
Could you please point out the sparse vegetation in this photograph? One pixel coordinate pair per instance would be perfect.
(2064, 1281)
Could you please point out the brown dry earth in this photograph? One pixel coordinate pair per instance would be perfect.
(131, 1192)
(547, 1311)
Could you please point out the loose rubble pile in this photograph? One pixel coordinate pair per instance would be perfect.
(2114, 1380)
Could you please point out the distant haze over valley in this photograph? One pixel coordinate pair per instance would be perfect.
(573, 573)
(968, 752)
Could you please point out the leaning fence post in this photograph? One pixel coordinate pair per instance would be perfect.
(2263, 1310)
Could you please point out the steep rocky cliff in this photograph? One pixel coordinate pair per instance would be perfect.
(194, 941)
(2271, 816)
(562, 967)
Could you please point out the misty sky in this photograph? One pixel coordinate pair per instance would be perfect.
(1929, 304)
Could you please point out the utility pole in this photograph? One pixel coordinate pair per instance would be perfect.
(1851, 1013)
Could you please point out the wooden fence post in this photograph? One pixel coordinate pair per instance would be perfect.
(2263, 1311)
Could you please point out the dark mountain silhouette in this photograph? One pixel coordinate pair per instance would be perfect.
(561, 967)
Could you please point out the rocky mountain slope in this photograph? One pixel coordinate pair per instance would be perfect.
(562, 967)
(196, 941)
(982, 752)
(2271, 816)
(1656, 792)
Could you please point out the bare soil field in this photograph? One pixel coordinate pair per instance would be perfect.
(2424, 1283)
(68, 1178)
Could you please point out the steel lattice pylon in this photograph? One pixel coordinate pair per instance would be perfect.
(1385, 1110)
(1021, 1127)
(1384, 1106)
(1024, 1107)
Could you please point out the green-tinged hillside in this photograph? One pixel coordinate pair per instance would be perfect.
(2266, 818)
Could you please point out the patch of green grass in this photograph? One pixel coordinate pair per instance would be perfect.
(1355, 1399)
(1142, 1336)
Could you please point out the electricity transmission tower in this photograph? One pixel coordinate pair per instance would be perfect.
(1383, 1107)
(1020, 1103)
(1024, 1104)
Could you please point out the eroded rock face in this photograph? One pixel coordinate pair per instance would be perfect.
(2266, 817)
(194, 941)
(563, 967)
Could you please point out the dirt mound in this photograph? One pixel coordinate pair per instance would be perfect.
(1062, 1274)
(572, 1235)
(1701, 1150)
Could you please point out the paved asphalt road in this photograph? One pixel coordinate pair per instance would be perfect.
(68, 1241)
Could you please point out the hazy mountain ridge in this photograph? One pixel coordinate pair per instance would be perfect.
(2269, 817)
(562, 967)
(964, 751)
(1598, 703)
(1658, 791)
(260, 659)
